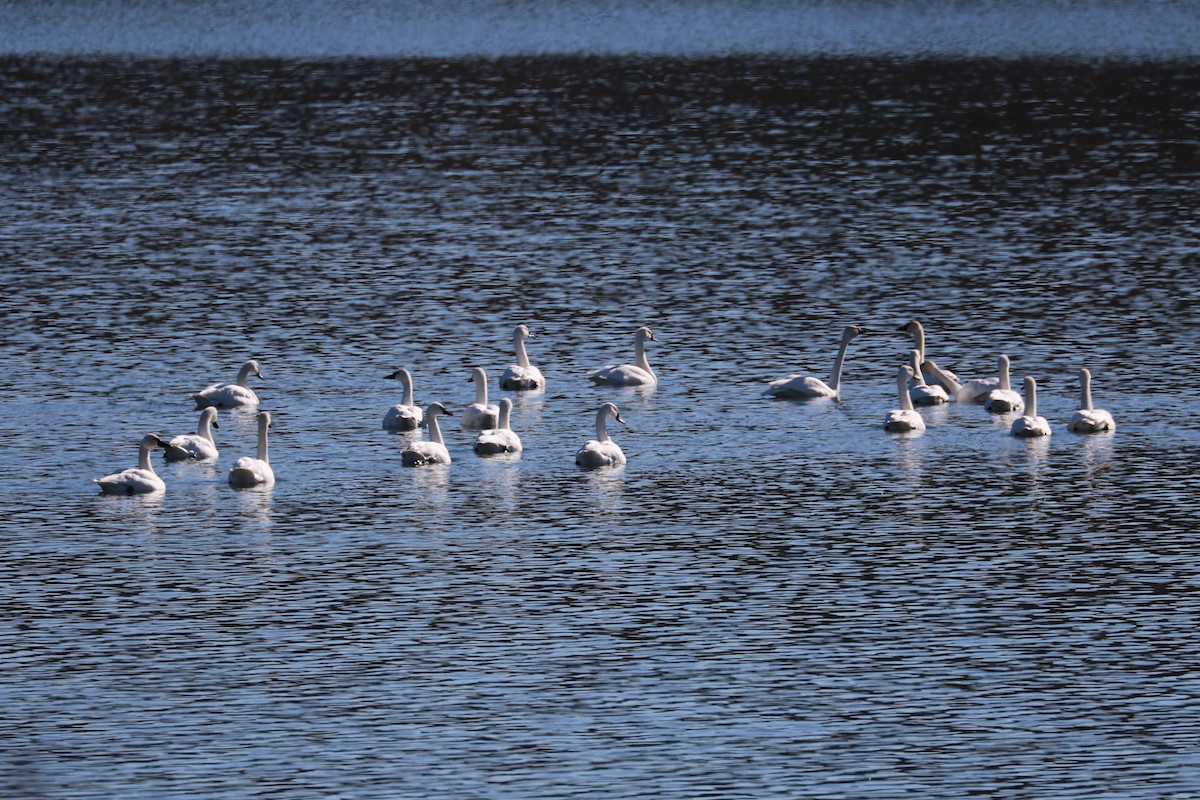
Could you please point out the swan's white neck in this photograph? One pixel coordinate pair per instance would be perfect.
(955, 386)
(917, 375)
(1085, 390)
(919, 340)
(243, 378)
(480, 389)
(263, 424)
(1030, 397)
(601, 427)
(435, 430)
(406, 382)
(902, 377)
(205, 427)
(1004, 381)
(505, 413)
(144, 456)
(639, 352)
(835, 378)
(519, 345)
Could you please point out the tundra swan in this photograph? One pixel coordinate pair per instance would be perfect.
(923, 394)
(807, 387)
(1003, 399)
(256, 471)
(522, 375)
(480, 414)
(501, 439)
(1030, 424)
(433, 451)
(1088, 419)
(198, 445)
(637, 374)
(601, 451)
(405, 415)
(231, 395)
(905, 418)
(136, 480)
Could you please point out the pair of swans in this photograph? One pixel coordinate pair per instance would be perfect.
(407, 416)
(972, 391)
(807, 387)
(142, 479)
(231, 395)
(500, 439)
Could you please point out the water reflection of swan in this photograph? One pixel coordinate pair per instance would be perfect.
(921, 393)
(806, 387)
(601, 451)
(231, 395)
(904, 418)
(521, 376)
(1003, 399)
(501, 439)
(479, 414)
(198, 445)
(141, 479)
(1088, 419)
(405, 415)
(638, 374)
(255, 471)
(1030, 424)
(433, 451)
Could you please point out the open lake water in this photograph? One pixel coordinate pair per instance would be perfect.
(772, 599)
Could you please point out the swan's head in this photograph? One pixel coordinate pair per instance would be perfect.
(610, 410)
(264, 419)
(479, 375)
(1085, 374)
(850, 331)
(433, 410)
(210, 414)
(1030, 385)
(401, 374)
(153, 440)
(644, 334)
(522, 332)
(251, 367)
(905, 373)
(912, 328)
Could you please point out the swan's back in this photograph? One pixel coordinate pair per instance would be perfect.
(402, 418)
(248, 471)
(1092, 420)
(599, 454)
(800, 386)
(130, 481)
(418, 454)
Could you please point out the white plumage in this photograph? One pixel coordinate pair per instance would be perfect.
(905, 418)
(806, 387)
(601, 451)
(521, 376)
(1088, 419)
(231, 395)
(1030, 424)
(479, 414)
(136, 480)
(405, 415)
(502, 438)
(433, 451)
(199, 445)
(636, 374)
(1003, 399)
(256, 471)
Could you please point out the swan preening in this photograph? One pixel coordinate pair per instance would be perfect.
(405, 415)
(921, 393)
(199, 445)
(141, 479)
(231, 395)
(502, 438)
(1088, 419)
(479, 414)
(1030, 424)
(521, 376)
(601, 451)
(433, 451)
(255, 471)
(636, 374)
(1003, 399)
(905, 418)
(806, 387)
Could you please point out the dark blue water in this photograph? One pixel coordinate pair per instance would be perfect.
(771, 599)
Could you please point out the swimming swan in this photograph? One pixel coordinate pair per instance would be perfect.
(521, 376)
(638, 374)
(198, 445)
(249, 471)
(1088, 419)
(916, 330)
(905, 418)
(923, 394)
(230, 395)
(1003, 399)
(1030, 424)
(405, 415)
(975, 390)
(807, 387)
(434, 450)
(601, 451)
(479, 414)
(137, 480)
(502, 439)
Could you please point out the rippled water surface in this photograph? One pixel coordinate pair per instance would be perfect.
(771, 599)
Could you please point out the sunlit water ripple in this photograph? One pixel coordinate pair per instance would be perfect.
(771, 599)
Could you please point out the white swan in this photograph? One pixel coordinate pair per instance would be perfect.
(1003, 399)
(916, 330)
(257, 471)
(198, 445)
(807, 387)
(637, 374)
(434, 450)
(1030, 424)
(405, 415)
(1088, 419)
(501, 439)
(479, 414)
(521, 376)
(136, 480)
(973, 391)
(601, 451)
(905, 418)
(923, 394)
(231, 395)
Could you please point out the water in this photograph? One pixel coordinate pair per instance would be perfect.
(772, 599)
